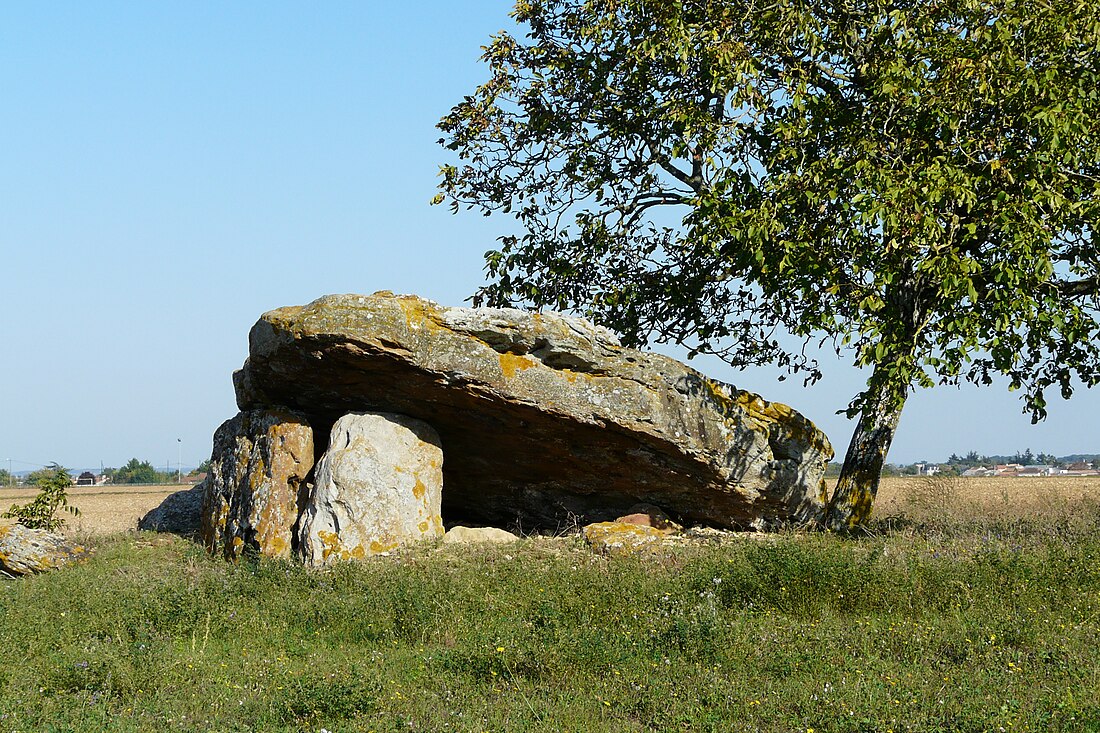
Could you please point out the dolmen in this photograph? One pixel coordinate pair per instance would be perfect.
(367, 422)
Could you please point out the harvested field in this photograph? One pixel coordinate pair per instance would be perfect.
(986, 499)
(103, 509)
(109, 509)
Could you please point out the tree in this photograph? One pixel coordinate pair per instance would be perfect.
(41, 512)
(36, 477)
(914, 183)
(1026, 458)
(137, 472)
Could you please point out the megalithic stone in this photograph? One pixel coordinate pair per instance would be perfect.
(378, 487)
(257, 483)
(24, 551)
(545, 419)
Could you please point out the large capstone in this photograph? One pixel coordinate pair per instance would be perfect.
(256, 485)
(377, 487)
(544, 420)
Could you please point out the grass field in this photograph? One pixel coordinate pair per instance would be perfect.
(972, 606)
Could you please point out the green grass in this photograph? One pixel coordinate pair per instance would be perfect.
(942, 627)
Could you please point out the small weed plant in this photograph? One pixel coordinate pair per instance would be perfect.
(41, 512)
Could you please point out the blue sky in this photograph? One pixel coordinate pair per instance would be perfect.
(168, 172)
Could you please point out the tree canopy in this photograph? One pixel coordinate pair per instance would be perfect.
(137, 472)
(913, 182)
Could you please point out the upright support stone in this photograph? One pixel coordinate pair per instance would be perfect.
(257, 479)
(377, 487)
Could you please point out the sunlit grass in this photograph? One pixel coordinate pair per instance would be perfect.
(923, 626)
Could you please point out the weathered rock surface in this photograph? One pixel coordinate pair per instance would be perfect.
(622, 538)
(478, 536)
(377, 487)
(256, 484)
(544, 419)
(647, 515)
(24, 551)
(179, 513)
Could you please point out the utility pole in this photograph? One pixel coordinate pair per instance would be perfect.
(179, 460)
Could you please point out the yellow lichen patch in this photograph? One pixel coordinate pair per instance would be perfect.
(420, 314)
(423, 526)
(761, 409)
(275, 547)
(330, 543)
(377, 547)
(512, 363)
(571, 376)
(419, 489)
(795, 426)
(273, 527)
(718, 393)
(614, 538)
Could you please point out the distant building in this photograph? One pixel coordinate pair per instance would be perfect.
(980, 471)
(1015, 470)
(86, 479)
(1081, 468)
(1035, 471)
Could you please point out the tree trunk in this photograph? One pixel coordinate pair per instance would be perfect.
(851, 503)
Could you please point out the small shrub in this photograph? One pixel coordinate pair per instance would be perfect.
(41, 512)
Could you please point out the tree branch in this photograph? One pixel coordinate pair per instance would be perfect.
(1087, 286)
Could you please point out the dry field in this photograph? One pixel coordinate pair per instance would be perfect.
(109, 509)
(103, 509)
(996, 498)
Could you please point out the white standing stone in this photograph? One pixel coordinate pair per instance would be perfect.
(377, 487)
(478, 536)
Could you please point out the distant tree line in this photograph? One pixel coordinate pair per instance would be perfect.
(1027, 458)
(143, 472)
(133, 471)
